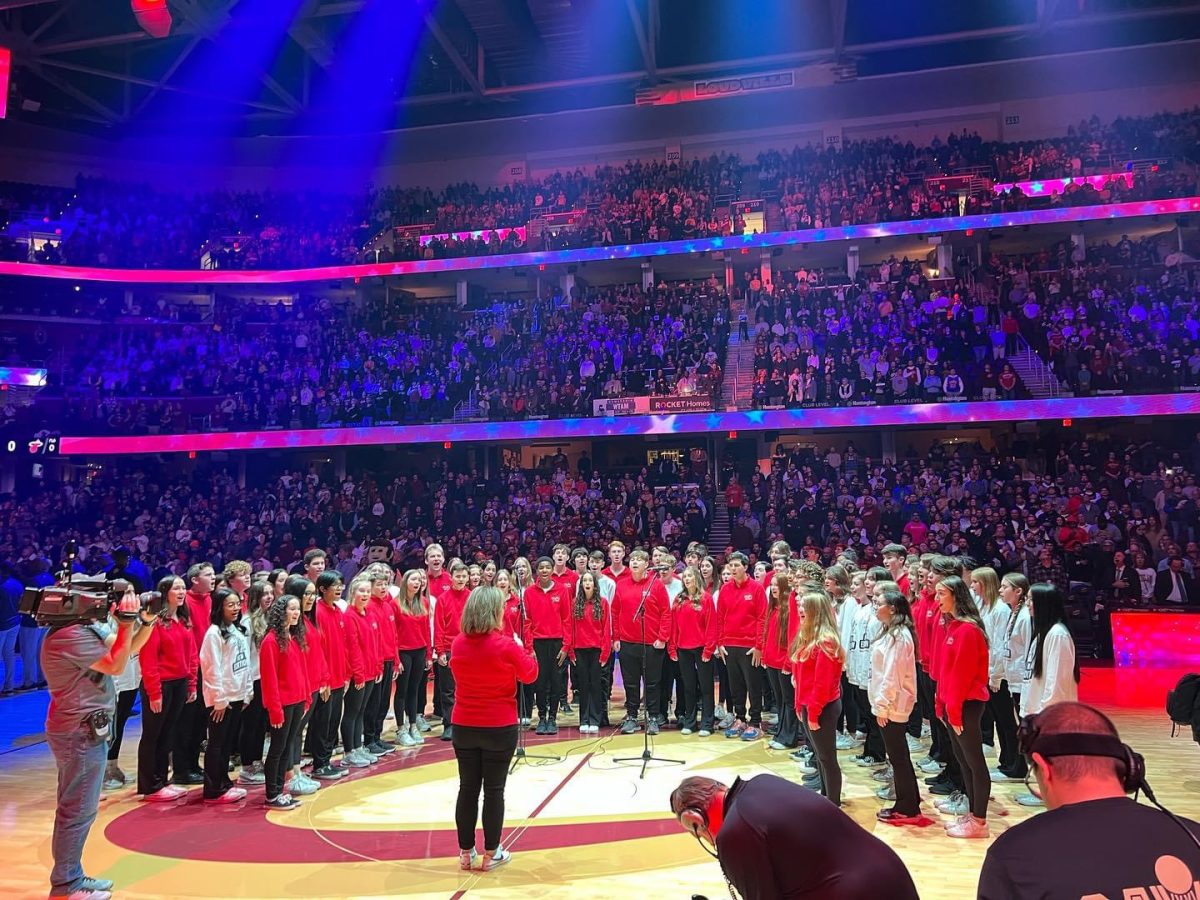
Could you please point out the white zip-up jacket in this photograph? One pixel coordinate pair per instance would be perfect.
(995, 626)
(893, 682)
(225, 668)
(1057, 681)
(1014, 650)
(866, 627)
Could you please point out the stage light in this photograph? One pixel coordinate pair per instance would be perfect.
(5, 68)
(1066, 423)
(153, 16)
(733, 435)
(446, 445)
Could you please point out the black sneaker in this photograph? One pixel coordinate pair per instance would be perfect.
(541, 726)
(552, 727)
(190, 778)
(283, 801)
(329, 773)
(652, 726)
(379, 748)
(565, 709)
(944, 789)
(629, 726)
(448, 733)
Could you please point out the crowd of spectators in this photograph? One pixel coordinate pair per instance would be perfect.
(105, 223)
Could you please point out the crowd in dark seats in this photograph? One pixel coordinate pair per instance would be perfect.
(317, 363)
(111, 224)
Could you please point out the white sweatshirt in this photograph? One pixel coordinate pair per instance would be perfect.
(225, 668)
(995, 626)
(1057, 681)
(892, 686)
(858, 656)
(1018, 644)
(845, 622)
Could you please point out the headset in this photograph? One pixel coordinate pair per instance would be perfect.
(1132, 764)
(693, 818)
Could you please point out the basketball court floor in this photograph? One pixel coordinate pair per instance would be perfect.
(582, 827)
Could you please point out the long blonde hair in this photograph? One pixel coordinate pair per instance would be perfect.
(418, 603)
(817, 628)
(989, 585)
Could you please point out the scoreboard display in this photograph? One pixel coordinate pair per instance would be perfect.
(41, 444)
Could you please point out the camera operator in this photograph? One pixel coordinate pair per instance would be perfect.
(80, 661)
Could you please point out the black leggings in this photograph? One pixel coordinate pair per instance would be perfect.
(124, 709)
(314, 701)
(353, 709)
(745, 678)
(587, 674)
(968, 750)
(216, 752)
(550, 676)
(408, 700)
(377, 706)
(483, 756)
(1020, 766)
(160, 736)
(825, 751)
(282, 740)
(254, 728)
(908, 796)
(873, 745)
(1001, 705)
(697, 677)
(788, 733)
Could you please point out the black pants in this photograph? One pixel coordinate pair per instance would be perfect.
(606, 684)
(939, 746)
(483, 756)
(220, 746)
(254, 729)
(587, 674)
(697, 678)
(908, 796)
(851, 715)
(436, 675)
(823, 741)
(671, 683)
(1001, 706)
(788, 733)
(446, 688)
(925, 706)
(324, 728)
(722, 682)
(1020, 766)
(408, 700)
(873, 745)
(294, 758)
(968, 751)
(550, 676)
(745, 681)
(193, 729)
(638, 662)
(160, 736)
(354, 707)
(282, 739)
(124, 710)
(316, 712)
(377, 707)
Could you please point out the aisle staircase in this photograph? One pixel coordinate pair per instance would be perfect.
(1039, 379)
(718, 527)
(738, 384)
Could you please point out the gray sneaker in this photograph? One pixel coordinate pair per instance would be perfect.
(355, 759)
(422, 725)
(406, 739)
(253, 774)
(415, 733)
(726, 722)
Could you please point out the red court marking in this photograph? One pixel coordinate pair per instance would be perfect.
(562, 784)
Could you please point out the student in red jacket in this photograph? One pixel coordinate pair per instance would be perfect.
(331, 622)
(366, 672)
(382, 610)
(168, 685)
(446, 625)
(285, 686)
(641, 613)
(742, 617)
(416, 654)
(298, 783)
(693, 645)
(487, 664)
(546, 606)
(817, 658)
(193, 728)
(782, 625)
(587, 642)
(962, 694)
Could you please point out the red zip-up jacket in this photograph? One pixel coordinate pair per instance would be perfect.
(439, 585)
(584, 631)
(818, 681)
(284, 677)
(314, 658)
(741, 614)
(447, 619)
(486, 670)
(625, 574)
(169, 653)
(925, 615)
(200, 617)
(362, 646)
(627, 626)
(383, 612)
(332, 622)
(513, 623)
(693, 628)
(568, 581)
(545, 609)
(937, 644)
(774, 656)
(964, 670)
(412, 632)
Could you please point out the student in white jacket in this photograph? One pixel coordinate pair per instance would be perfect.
(866, 627)
(228, 683)
(1051, 668)
(985, 584)
(1014, 592)
(892, 690)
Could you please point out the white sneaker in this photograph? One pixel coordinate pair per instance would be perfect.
(914, 744)
(886, 793)
(846, 742)
(1000, 778)
(954, 805)
(704, 732)
(406, 739)
(86, 894)
(495, 860)
(1030, 800)
(930, 766)
(356, 760)
(415, 733)
(422, 725)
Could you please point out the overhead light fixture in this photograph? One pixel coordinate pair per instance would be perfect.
(154, 16)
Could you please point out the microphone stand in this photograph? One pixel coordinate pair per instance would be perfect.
(521, 755)
(647, 751)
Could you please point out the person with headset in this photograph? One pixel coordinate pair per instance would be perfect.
(774, 838)
(1126, 848)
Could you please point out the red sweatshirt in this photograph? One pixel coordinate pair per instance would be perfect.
(568, 581)
(545, 610)
(314, 659)
(692, 628)
(964, 670)
(412, 631)
(627, 625)
(818, 682)
(438, 586)
(775, 656)
(937, 644)
(925, 615)
(332, 622)
(741, 614)
(200, 613)
(486, 670)
(625, 574)
(512, 621)
(586, 632)
(362, 646)
(447, 619)
(383, 612)
(284, 678)
(169, 653)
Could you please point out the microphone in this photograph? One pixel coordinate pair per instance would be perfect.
(641, 610)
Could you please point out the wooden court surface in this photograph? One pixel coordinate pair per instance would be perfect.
(582, 827)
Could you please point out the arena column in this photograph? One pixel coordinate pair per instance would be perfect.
(852, 261)
(764, 259)
(647, 275)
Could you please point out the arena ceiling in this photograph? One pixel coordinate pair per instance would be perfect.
(247, 67)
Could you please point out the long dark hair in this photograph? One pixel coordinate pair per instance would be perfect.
(965, 609)
(1049, 608)
(257, 617)
(219, 596)
(183, 614)
(783, 590)
(902, 617)
(581, 598)
(277, 615)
